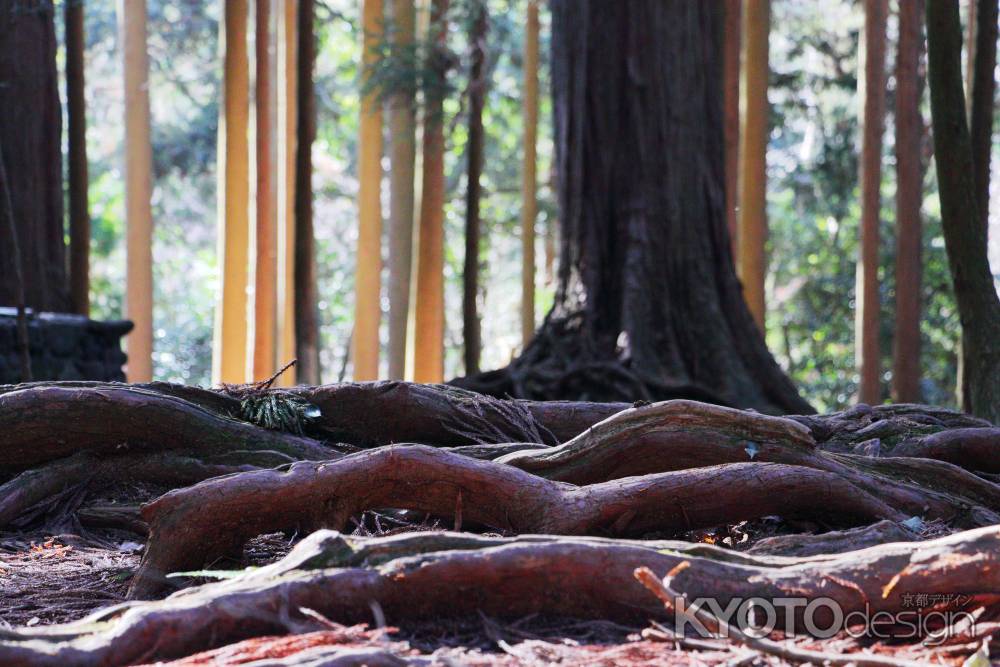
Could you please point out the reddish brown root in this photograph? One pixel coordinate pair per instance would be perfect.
(196, 524)
(567, 577)
(43, 423)
(976, 449)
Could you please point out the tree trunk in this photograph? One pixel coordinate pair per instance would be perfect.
(139, 193)
(529, 180)
(368, 281)
(402, 133)
(306, 307)
(753, 158)
(732, 29)
(30, 129)
(428, 336)
(287, 123)
(909, 197)
(981, 101)
(648, 304)
(265, 256)
(872, 93)
(474, 153)
(230, 341)
(964, 233)
(76, 115)
(16, 280)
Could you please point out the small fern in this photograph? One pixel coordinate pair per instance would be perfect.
(278, 411)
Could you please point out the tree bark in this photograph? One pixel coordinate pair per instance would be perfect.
(368, 282)
(416, 577)
(753, 158)
(30, 129)
(965, 236)
(428, 335)
(306, 305)
(732, 30)
(867, 294)
(402, 133)
(265, 307)
(287, 126)
(474, 154)
(17, 273)
(76, 115)
(982, 95)
(641, 198)
(229, 355)
(909, 197)
(529, 184)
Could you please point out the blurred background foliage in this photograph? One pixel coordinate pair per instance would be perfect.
(812, 192)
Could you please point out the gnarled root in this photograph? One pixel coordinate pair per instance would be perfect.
(215, 517)
(417, 576)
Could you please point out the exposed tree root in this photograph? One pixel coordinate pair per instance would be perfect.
(199, 523)
(971, 448)
(43, 423)
(834, 542)
(411, 578)
(86, 471)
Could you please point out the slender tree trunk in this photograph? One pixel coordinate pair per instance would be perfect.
(30, 129)
(964, 234)
(732, 29)
(428, 359)
(753, 158)
(368, 281)
(529, 179)
(970, 51)
(402, 132)
(287, 96)
(229, 358)
(265, 256)
(909, 196)
(867, 292)
(138, 194)
(648, 305)
(982, 97)
(306, 308)
(474, 155)
(17, 274)
(76, 114)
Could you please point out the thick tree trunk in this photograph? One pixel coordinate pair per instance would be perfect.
(732, 29)
(30, 128)
(964, 233)
(909, 197)
(76, 116)
(473, 190)
(428, 335)
(648, 303)
(16, 280)
(306, 308)
(867, 294)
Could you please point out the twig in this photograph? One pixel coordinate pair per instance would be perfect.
(662, 590)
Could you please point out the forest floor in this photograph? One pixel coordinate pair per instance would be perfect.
(501, 539)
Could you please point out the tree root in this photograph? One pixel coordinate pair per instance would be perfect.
(409, 577)
(214, 518)
(85, 471)
(43, 423)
